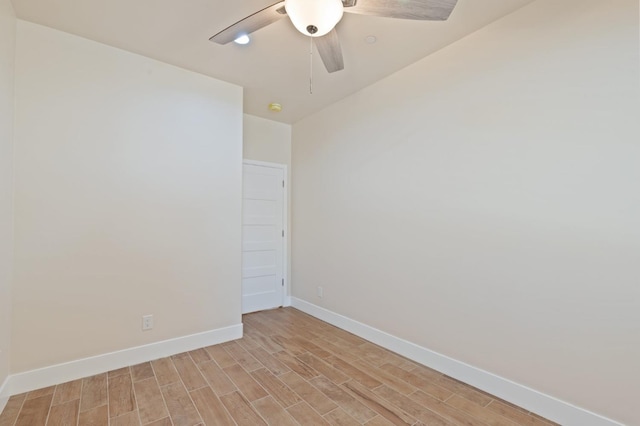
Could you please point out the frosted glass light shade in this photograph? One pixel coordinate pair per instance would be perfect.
(314, 18)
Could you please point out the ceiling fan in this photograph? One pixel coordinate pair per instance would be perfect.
(318, 18)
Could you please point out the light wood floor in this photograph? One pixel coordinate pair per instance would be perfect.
(288, 369)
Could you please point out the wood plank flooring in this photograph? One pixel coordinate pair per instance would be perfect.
(288, 369)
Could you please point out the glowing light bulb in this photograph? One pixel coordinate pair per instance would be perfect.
(314, 18)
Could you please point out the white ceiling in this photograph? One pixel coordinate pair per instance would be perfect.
(274, 67)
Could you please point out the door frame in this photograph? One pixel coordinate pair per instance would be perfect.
(285, 220)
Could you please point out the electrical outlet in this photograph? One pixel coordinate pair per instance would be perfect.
(147, 322)
(320, 292)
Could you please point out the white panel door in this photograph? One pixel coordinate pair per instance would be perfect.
(262, 237)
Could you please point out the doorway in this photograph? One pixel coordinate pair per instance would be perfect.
(264, 224)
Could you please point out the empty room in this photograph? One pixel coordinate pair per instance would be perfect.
(319, 212)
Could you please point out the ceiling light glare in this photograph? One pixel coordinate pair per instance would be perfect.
(243, 39)
(314, 18)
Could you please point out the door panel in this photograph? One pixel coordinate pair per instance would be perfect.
(262, 238)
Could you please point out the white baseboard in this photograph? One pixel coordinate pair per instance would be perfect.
(61, 373)
(287, 302)
(3, 399)
(527, 398)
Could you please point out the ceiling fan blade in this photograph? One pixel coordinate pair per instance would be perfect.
(422, 10)
(330, 51)
(251, 23)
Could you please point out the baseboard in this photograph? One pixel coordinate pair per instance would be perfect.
(523, 396)
(3, 399)
(287, 301)
(61, 373)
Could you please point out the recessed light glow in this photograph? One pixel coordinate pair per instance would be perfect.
(275, 107)
(243, 39)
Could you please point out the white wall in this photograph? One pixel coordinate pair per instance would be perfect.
(270, 141)
(266, 140)
(484, 203)
(7, 47)
(127, 198)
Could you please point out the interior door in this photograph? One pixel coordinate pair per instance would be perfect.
(262, 237)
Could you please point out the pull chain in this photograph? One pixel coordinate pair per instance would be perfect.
(310, 65)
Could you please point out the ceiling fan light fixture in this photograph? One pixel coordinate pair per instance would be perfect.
(314, 18)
